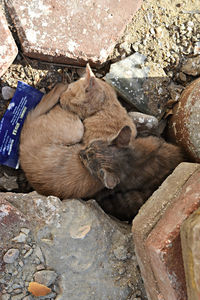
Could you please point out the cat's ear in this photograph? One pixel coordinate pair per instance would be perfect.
(90, 79)
(109, 179)
(123, 137)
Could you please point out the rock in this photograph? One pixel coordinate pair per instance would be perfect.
(197, 48)
(142, 87)
(144, 123)
(46, 277)
(8, 183)
(5, 297)
(8, 48)
(67, 28)
(81, 244)
(7, 92)
(190, 231)
(21, 238)
(192, 66)
(156, 232)
(11, 255)
(184, 125)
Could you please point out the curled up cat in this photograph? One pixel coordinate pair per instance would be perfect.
(139, 166)
(66, 120)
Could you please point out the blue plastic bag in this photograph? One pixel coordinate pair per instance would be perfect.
(24, 99)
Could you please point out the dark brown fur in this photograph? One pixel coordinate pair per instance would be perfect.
(139, 168)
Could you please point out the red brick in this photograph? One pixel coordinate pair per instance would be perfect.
(154, 211)
(8, 48)
(184, 125)
(72, 32)
(163, 243)
(190, 242)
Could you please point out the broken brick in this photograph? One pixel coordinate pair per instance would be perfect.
(190, 232)
(184, 125)
(8, 48)
(156, 232)
(71, 32)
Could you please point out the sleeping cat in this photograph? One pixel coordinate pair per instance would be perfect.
(51, 136)
(139, 167)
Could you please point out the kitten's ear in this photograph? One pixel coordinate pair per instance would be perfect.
(90, 78)
(109, 180)
(123, 137)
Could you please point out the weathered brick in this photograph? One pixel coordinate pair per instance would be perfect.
(152, 213)
(8, 48)
(190, 232)
(163, 243)
(72, 32)
(184, 125)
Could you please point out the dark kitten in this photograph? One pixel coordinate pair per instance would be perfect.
(137, 169)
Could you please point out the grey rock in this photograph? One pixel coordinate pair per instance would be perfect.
(91, 253)
(21, 238)
(8, 183)
(7, 92)
(5, 297)
(18, 297)
(140, 86)
(192, 66)
(46, 277)
(84, 247)
(11, 255)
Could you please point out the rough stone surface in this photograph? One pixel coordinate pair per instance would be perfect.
(184, 125)
(190, 232)
(142, 87)
(73, 31)
(153, 211)
(90, 255)
(7, 92)
(8, 48)
(192, 66)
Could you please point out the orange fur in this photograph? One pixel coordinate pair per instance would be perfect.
(52, 134)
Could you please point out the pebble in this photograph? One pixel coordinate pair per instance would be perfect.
(120, 253)
(5, 297)
(46, 277)
(28, 253)
(25, 230)
(182, 77)
(21, 238)
(11, 255)
(7, 92)
(18, 297)
(39, 254)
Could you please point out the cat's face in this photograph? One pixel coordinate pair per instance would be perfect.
(85, 96)
(101, 158)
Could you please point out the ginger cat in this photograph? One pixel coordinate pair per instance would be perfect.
(139, 167)
(51, 136)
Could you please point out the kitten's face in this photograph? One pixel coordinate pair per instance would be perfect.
(101, 158)
(98, 159)
(85, 96)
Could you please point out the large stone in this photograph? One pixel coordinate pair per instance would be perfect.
(8, 48)
(71, 32)
(190, 232)
(156, 232)
(143, 87)
(91, 253)
(184, 125)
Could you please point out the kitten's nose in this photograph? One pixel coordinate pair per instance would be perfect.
(82, 154)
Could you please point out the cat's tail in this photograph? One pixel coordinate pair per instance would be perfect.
(48, 101)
